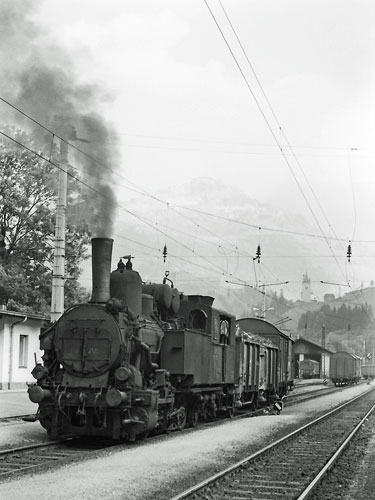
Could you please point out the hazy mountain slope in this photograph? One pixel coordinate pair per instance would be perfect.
(205, 250)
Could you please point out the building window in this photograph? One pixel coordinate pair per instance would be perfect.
(22, 361)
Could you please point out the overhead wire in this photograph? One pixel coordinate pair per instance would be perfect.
(42, 157)
(90, 187)
(142, 192)
(39, 155)
(271, 131)
(276, 118)
(139, 192)
(95, 159)
(219, 271)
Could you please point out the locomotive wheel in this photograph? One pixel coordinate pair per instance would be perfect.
(178, 422)
(193, 417)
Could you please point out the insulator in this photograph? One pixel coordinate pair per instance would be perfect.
(349, 252)
(165, 252)
(258, 254)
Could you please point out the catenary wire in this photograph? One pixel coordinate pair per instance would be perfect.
(272, 133)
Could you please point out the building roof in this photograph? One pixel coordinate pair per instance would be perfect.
(17, 314)
(314, 344)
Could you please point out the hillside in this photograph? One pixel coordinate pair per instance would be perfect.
(348, 322)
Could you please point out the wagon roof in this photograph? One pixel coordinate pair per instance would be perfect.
(260, 326)
(309, 361)
(340, 353)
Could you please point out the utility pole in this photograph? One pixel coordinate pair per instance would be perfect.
(263, 291)
(58, 280)
(324, 351)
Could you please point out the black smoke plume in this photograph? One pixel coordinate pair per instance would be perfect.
(38, 77)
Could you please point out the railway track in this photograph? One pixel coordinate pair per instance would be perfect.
(15, 418)
(46, 455)
(292, 467)
(293, 399)
(299, 397)
(54, 453)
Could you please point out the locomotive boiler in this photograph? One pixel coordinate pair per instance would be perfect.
(135, 358)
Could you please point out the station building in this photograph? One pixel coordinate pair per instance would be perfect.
(19, 347)
(306, 349)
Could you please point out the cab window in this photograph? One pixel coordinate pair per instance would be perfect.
(198, 320)
(224, 331)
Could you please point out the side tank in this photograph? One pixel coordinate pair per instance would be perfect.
(126, 285)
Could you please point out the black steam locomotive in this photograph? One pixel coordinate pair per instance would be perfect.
(142, 357)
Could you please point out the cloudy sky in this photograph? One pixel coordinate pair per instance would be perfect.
(183, 104)
(182, 109)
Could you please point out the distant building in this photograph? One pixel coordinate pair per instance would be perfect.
(306, 288)
(306, 349)
(19, 346)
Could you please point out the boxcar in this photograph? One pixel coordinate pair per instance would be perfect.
(368, 371)
(345, 368)
(309, 368)
(285, 359)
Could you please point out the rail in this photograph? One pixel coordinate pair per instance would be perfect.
(262, 482)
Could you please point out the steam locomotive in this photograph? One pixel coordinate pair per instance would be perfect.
(140, 357)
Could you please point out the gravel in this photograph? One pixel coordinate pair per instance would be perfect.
(18, 433)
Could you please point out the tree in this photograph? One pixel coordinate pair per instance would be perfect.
(27, 219)
(344, 318)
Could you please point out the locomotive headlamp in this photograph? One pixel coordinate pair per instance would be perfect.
(122, 373)
(39, 371)
(114, 397)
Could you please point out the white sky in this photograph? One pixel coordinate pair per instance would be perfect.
(182, 110)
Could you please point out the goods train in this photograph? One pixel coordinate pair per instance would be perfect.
(344, 368)
(309, 368)
(143, 357)
(368, 371)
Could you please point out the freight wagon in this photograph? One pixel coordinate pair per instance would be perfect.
(309, 368)
(255, 369)
(285, 358)
(368, 371)
(345, 368)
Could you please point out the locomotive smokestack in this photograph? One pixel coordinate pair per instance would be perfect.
(101, 269)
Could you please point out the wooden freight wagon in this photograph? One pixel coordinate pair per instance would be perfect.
(255, 369)
(345, 368)
(285, 358)
(368, 371)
